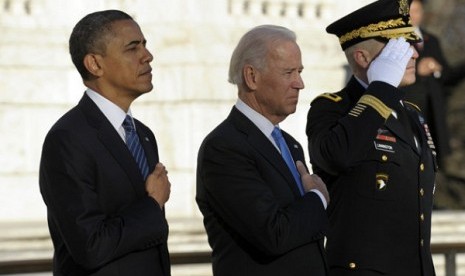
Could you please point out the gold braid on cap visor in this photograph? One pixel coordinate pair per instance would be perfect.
(383, 29)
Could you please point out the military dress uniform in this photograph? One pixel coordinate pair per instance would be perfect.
(376, 155)
(380, 175)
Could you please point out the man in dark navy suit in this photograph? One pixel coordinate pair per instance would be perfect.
(263, 212)
(100, 176)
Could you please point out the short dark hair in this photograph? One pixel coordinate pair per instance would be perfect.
(88, 36)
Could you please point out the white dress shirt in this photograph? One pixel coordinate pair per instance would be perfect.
(113, 112)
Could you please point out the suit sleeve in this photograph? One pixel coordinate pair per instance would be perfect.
(94, 236)
(239, 183)
(339, 134)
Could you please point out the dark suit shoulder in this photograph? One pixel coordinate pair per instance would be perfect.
(71, 121)
(225, 135)
(229, 128)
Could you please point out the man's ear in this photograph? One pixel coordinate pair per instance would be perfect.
(362, 57)
(92, 62)
(250, 77)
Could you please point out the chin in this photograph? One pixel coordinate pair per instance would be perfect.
(407, 81)
(291, 111)
(146, 89)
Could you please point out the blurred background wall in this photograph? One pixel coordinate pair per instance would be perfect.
(192, 41)
(446, 19)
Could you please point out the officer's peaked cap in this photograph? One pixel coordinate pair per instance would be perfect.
(382, 19)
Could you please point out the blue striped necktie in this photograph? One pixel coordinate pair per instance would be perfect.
(134, 146)
(286, 154)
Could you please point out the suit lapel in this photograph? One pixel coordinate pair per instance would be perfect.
(148, 144)
(417, 128)
(294, 148)
(402, 132)
(260, 142)
(113, 142)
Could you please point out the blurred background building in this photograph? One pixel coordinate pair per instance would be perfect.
(192, 42)
(446, 19)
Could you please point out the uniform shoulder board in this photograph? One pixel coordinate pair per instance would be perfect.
(330, 96)
(413, 105)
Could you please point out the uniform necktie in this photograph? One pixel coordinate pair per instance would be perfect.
(133, 143)
(286, 154)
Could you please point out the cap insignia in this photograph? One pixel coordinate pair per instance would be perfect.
(404, 7)
(366, 31)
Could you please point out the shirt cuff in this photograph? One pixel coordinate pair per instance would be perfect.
(323, 200)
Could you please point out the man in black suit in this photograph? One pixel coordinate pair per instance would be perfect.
(262, 216)
(105, 207)
(375, 151)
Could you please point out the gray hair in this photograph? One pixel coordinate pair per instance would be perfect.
(370, 45)
(253, 48)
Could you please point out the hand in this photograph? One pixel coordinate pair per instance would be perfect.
(428, 66)
(312, 181)
(158, 186)
(390, 65)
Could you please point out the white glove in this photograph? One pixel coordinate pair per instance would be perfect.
(391, 63)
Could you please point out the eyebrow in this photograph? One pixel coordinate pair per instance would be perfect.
(136, 42)
(293, 68)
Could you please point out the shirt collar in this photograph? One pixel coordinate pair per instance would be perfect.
(362, 83)
(111, 111)
(258, 119)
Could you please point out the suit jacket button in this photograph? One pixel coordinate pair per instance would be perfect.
(352, 265)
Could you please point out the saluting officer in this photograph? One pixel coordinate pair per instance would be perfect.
(375, 151)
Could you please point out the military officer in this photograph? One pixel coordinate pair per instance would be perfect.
(375, 151)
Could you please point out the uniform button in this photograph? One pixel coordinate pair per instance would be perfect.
(422, 167)
(352, 265)
(422, 217)
(421, 242)
(422, 192)
(384, 157)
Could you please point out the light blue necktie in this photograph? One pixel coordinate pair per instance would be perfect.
(133, 143)
(286, 154)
